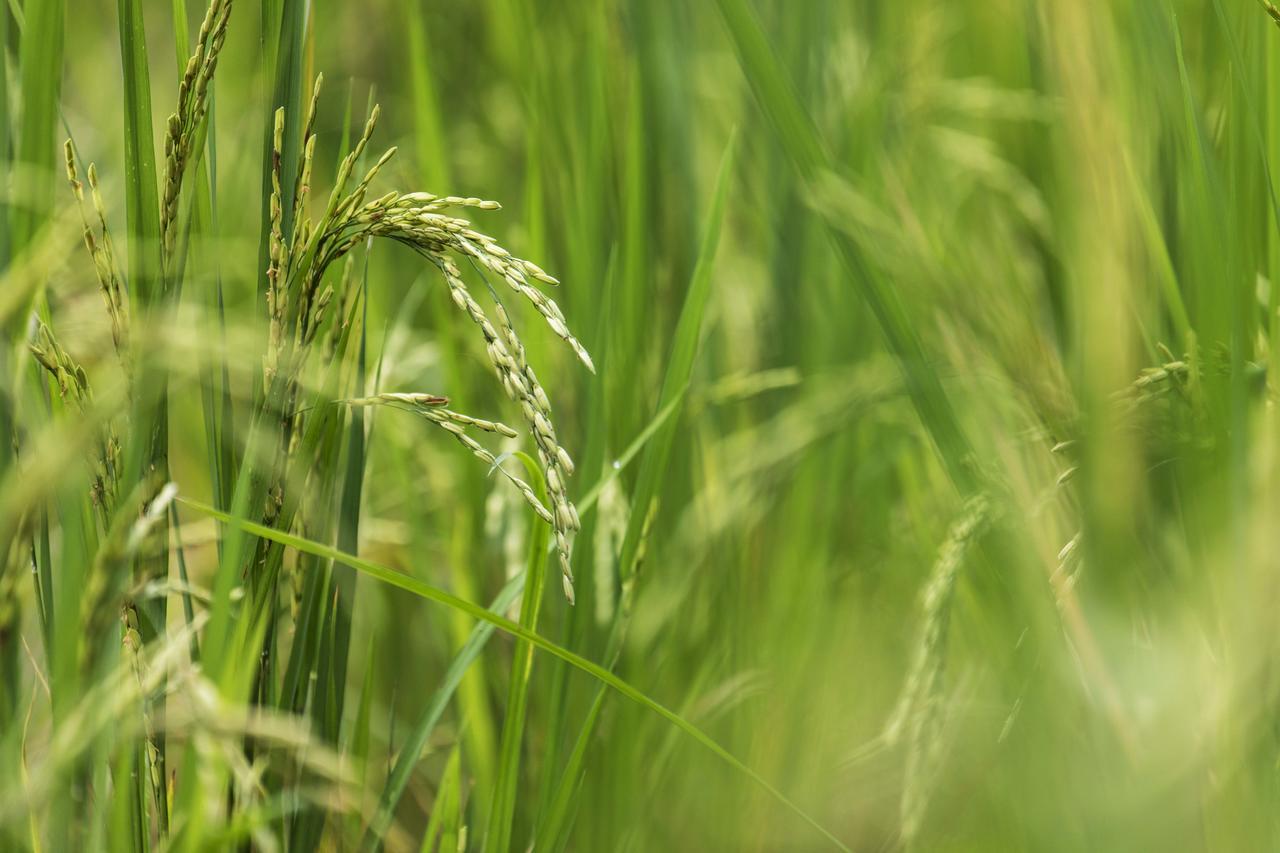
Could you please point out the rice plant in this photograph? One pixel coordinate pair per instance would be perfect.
(902, 435)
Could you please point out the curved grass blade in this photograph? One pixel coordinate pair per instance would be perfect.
(416, 587)
(680, 365)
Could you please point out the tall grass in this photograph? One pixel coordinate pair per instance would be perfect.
(921, 496)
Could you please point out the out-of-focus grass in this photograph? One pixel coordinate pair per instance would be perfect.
(1021, 252)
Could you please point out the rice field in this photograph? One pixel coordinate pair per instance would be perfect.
(615, 425)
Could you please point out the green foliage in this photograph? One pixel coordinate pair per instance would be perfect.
(923, 496)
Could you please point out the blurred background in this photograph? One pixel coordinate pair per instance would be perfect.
(967, 535)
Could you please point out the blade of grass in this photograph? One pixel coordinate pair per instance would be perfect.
(188, 611)
(579, 623)
(149, 451)
(504, 798)
(632, 299)
(6, 122)
(426, 591)
(10, 664)
(40, 55)
(141, 199)
(475, 703)
(360, 739)
(181, 44)
(653, 467)
(411, 749)
(31, 175)
(322, 685)
(78, 547)
(555, 824)
(446, 814)
(684, 348)
(349, 519)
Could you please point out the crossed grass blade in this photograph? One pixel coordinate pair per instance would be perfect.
(423, 590)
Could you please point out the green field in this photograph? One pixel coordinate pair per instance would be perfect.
(639, 425)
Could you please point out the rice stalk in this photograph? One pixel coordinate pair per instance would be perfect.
(431, 408)
(297, 302)
(1271, 10)
(132, 644)
(98, 242)
(73, 386)
(918, 714)
(185, 124)
(152, 227)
